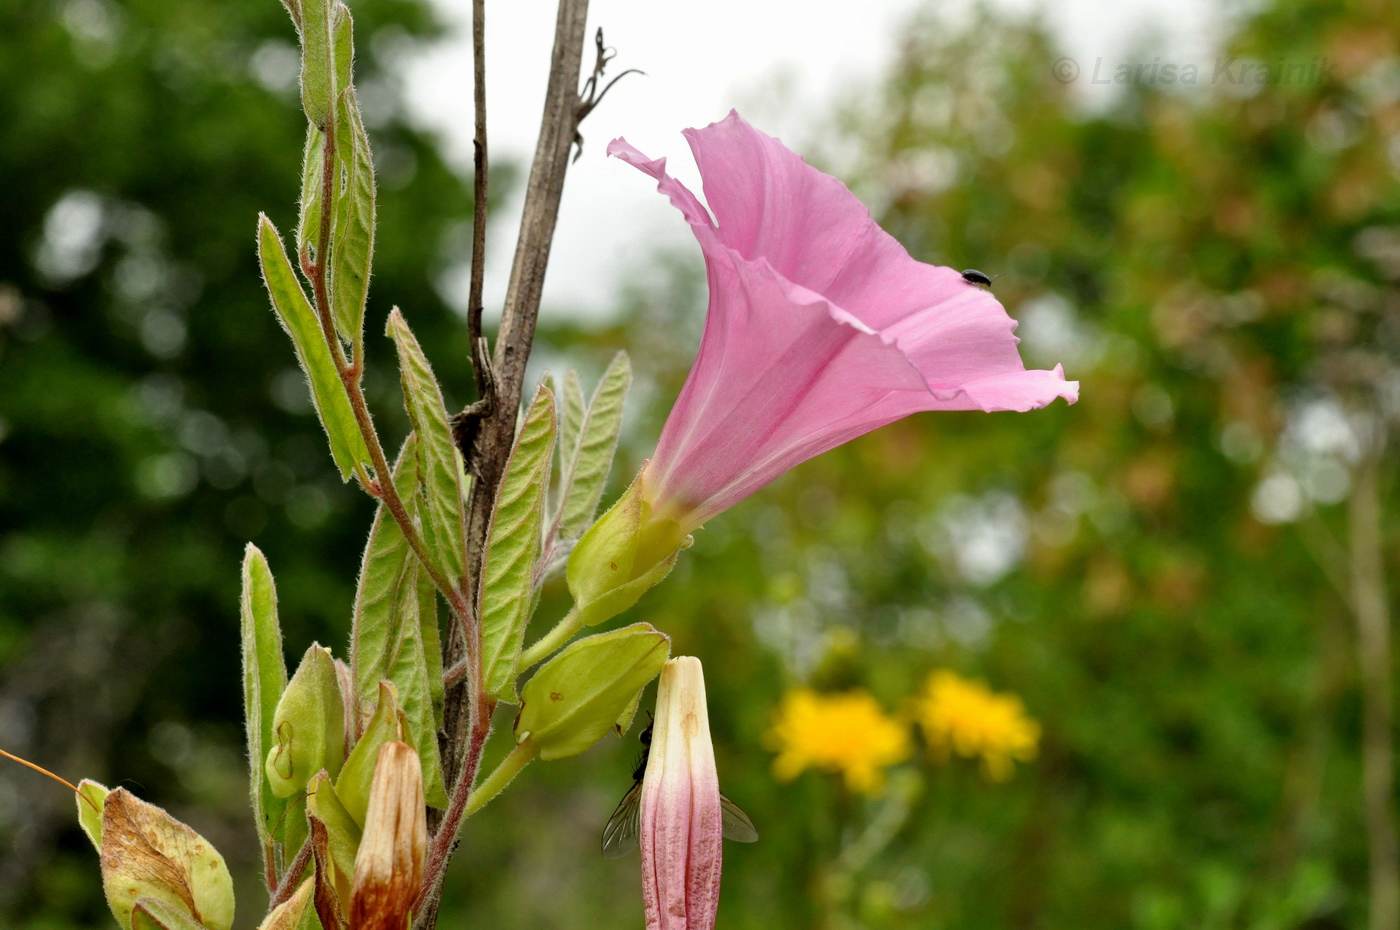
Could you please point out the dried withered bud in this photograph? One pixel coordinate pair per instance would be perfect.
(389, 865)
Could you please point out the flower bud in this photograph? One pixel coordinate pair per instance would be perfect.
(623, 555)
(682, 821)
(389, 866)
(582, 693)
(309, 725)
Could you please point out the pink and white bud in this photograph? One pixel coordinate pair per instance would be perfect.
(682, 823)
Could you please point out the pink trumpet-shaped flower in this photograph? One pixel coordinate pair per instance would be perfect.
(821, 328)
(682, 821)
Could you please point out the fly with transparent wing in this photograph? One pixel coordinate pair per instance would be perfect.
(620, 835)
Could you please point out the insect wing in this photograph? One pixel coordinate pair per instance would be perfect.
(620, 835)
(737, 825)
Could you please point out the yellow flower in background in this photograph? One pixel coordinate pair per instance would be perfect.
(966, 717)
(848, 733)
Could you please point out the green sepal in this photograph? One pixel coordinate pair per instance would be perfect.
(264, 680)
(512, 548)
(146, 853)
(622, 556)
(441, 488)
(152, 914)
(91, 799)
(580, 694)
(357, 776)
(299, 319)
(589, 457)
(308, 726)
(344, 833)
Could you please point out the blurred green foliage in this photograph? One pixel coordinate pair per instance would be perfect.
(1216, 263)
(152, 414)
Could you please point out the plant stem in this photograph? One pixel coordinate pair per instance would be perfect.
(1373, 651)
(522, 755)
(444, 841)
(291, 878)
(549, 642)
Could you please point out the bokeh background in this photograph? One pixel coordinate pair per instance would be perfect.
(1171, 575)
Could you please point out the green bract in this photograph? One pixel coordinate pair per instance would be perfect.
(580, 694)
(309, 726)
(357, 776)
(621, 557)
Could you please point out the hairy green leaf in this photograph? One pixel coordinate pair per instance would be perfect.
(512, 546)
(432, 644)
(410, 674)
(441, 490)
(300, 321)
(395, 635)
(586, 469)
(317, 78)
(352, 215)
(264, 680)
(386, 567)
(313, 166)
(572, 409)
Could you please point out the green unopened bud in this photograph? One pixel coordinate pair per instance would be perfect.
(149, 856)
(389, 867)
(629, 550)
(583, 692)
(309, 726)
(355, 779)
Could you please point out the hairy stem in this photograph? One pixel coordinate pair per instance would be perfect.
(291, 879)
(546, 645)
(522, 755)
(466, 711)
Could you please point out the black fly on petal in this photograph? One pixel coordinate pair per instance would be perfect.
(624, 826)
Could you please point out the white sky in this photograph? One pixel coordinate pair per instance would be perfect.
(701, 59)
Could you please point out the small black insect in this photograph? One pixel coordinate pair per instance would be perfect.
(973, 276)
(620, 835)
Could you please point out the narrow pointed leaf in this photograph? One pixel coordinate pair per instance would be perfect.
(352, 213)
(572, 409)
(299, 320)
(432, 645)
(586, 470)
(512, 546)
(409, 674)
(312, 188)
(386, 567)
(441, 490)
(317, 90)
(264, 680)
(292, 913)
